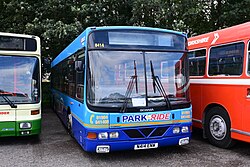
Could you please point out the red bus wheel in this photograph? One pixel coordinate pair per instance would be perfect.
(217, 128)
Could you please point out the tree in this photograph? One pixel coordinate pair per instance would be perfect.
(108, 12)
(58, 22)
(235, 12)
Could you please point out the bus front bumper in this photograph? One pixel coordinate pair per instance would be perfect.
(28, 127)
(106, 147)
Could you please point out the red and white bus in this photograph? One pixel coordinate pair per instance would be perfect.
(219, 64)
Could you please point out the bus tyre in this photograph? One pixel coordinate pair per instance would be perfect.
(217, 128)
(69, 124)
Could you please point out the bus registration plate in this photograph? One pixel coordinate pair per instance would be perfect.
(145, 146)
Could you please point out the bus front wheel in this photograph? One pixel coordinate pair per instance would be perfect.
(217, 128)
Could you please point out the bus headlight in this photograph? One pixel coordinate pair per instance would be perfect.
(113, 135)
(103, 135)
(176, 130)
(25, 125)
(184, 129)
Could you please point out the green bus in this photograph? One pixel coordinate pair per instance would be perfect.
(20, 85)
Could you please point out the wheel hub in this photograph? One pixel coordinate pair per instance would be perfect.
(218, 127)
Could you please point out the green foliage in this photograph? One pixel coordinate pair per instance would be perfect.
(58, 22)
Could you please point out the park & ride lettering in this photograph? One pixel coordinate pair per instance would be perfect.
(145, 118)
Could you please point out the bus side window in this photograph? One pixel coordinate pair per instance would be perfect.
(226, 60)
(197, 62)
(79, 67)
(70, 76)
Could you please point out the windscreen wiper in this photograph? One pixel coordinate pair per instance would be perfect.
(135, 76)
(133, 80)
(3, 95)
(157, 84)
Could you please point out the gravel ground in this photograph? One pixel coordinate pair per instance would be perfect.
(57, 148)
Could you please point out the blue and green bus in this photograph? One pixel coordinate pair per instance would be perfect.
(124, 88)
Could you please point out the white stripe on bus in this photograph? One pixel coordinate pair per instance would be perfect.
(240, 132)
(221, 81)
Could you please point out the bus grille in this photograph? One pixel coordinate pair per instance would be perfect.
(146, 132)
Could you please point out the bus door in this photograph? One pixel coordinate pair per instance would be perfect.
(246, 111)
